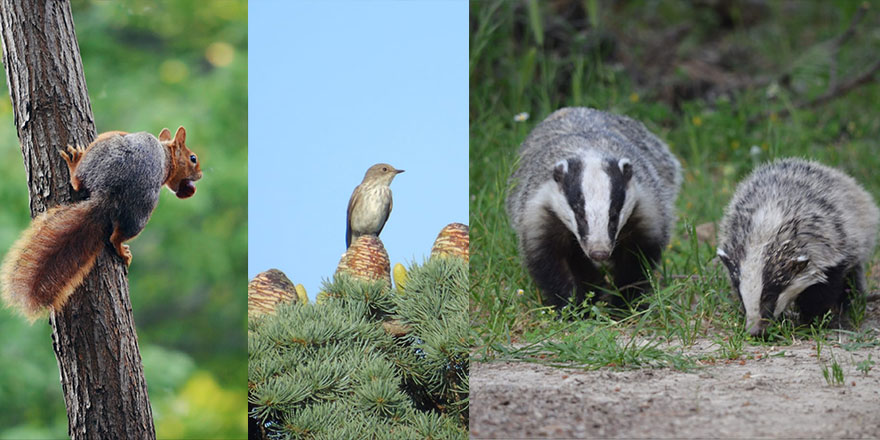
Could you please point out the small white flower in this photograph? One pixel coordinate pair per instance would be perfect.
(755, 151)
(519, 292)
(521, 117)
(772, 90)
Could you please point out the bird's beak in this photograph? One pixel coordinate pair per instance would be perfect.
(399, 171)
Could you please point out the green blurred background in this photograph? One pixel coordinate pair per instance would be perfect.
(151, 65)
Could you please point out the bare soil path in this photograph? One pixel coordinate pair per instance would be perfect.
(779, 393)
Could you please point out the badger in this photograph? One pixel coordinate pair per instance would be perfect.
(593, 192)
(796, 232)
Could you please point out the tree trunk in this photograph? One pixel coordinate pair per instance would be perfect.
(93, 336)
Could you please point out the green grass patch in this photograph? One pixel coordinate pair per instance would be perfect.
(527, 58)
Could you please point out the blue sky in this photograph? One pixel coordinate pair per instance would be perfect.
(333, 88)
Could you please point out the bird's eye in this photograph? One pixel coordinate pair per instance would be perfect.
(384, 168)
(192, 158)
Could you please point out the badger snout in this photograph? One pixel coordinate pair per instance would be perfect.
(599, 255)
(758, 328)
(597, 251)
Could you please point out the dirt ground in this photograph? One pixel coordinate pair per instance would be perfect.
(774, 396)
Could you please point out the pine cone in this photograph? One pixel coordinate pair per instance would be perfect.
(266, 290)
(453, 240)
(366, 259)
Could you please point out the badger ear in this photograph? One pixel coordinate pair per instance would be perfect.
(724, 257)
(800, 262)
(625, 168)
(559, 171)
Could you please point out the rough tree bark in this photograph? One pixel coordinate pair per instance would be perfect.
(93, 336)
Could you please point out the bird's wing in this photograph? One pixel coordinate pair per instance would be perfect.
(351, 202)
(387, 214)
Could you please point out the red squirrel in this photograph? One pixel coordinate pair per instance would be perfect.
(123, 174)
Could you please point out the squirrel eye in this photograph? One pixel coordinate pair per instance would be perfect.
(192, 158)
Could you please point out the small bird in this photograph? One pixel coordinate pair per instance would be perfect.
(370, 203)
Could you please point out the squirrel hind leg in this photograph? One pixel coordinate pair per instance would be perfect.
(121, 249)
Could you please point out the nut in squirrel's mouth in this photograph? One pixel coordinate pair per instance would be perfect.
(185, 189)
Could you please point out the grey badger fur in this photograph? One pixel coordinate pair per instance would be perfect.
(796, 231)
(592, 188)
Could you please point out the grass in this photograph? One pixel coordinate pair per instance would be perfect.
(864, 366)
(832, 373)
(525, 58)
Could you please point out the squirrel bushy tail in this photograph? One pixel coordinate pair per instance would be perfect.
(52, 257)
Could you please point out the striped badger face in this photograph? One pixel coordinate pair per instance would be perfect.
(769, 270)
(594, 200)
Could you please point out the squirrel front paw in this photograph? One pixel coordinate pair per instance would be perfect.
(72, 157)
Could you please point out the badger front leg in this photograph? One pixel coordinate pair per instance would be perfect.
(560, 270)
(587, 276)
(817, 300)
(857, 281)
(630, 271)
(552, 276)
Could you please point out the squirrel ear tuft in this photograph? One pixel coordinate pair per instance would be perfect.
(180, 137)
(165, 135)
